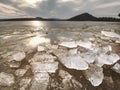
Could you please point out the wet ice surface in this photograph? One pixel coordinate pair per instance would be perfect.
(60, 56)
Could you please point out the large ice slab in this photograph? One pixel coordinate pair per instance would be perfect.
(74, 62)
(106, 59)
(71, 44)
(19, 56)
(40, 81)
(44, 57)
(110, 34)
(116, 68)
(94, 74)
(85, 44)
(38, 67)
(6, 79)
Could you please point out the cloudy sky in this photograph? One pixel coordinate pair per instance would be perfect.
(58, 8)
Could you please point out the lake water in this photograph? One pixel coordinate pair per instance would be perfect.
(94, 41)
(55, 30)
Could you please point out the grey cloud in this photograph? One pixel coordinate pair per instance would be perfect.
(64, 9)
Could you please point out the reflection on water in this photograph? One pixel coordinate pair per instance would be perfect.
(38, 40)
(11, 32)
(38, 25)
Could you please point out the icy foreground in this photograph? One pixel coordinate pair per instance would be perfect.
(66, 65)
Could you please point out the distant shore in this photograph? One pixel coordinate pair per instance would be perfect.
(81, 17)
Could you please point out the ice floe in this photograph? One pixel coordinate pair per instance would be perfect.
(19, 56)
(38, 67)
(110, 34)
(40, 48)
(71, 44)
(6, 79)
(116, 68)
(74, 62)
(106, 59)
(94, 74)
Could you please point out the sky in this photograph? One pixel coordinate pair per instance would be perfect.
(58, 8)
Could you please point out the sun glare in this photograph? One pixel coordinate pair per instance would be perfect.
(38, 40)
(32, 2)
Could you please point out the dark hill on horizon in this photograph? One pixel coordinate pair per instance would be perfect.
(89, 17)
(81, 17)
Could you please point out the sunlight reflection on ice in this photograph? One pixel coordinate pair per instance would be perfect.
(38, 40)
(37, 23)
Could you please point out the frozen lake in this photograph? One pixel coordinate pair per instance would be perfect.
(59, 55)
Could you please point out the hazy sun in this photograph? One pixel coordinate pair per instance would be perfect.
(32, 1)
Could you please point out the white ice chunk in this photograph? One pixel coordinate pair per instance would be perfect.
(38, 57)
(25, 83)
(6, 79)
(94, 74)
(85, 44)
(116, 68)
(44, 67)
(20, 72)
(89, 57)
(107, 48)
(71, 44)
(110, 34)
(19, 56)
(72, 51)
(106, 59)
(40, 48)
(40, 81)
(74, 62)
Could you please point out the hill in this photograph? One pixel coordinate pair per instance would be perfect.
(83, 17)
(89, 17)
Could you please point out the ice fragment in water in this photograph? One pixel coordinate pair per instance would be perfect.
(44, 67)
(116, 68)
(74, 62)
(71, 44)
(85, 44)
(72, 51)
(110, 34)
(94, 74)
(20, 72)
(40, 48)
(40, 81)
(19, 56)
(89, 57)
(6, 79)
(38, 57)
(106, 59)
(25, 83)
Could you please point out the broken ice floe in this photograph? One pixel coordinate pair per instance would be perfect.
(20, 72)
(71, 44)
(89, 57)
(106, 59)
(68, 81)
(19, 56)
(40, 48)
(6, 79)
(85, 44)
(72, 51)
(38, 67)
(94, 74)
(110, 34)
(74, 62)
(38, 57)
(25, 83)
(116, 68)
(40, 81)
